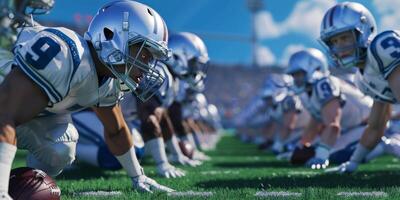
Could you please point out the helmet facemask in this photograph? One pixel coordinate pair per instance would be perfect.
(299, 81)
(147, 79)
(357, 48)
(197, 71)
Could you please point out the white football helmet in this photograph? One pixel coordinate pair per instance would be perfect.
(117, 27)
(189, 59)
(276, 87)
(312, 62)
(353, 17)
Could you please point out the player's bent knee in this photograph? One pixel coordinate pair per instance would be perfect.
(54, 158)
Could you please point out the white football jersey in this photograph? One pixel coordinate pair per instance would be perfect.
(58, 60)
(382, 58)
(355, 105)
(288, 104)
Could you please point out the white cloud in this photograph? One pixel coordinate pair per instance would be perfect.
(305, 18)
(289, 50)
(264, 56)
(266, 27)
(388, 10)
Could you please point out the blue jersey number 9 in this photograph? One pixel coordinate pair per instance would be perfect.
(44, 49)
(391, 42)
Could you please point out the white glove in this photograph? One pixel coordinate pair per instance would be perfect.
(183, 160)
(198, 155)
(4, 196)
(168, 171)
(347, 167)
(317, 163)
(142, 183)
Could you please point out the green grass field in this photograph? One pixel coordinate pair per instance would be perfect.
(239, 171)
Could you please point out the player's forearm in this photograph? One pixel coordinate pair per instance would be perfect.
(330, 134)
(371, 137)
(119, 142)
(284, 133)
(309, 134)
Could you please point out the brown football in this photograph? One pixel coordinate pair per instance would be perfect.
(186, 148)
(33, 184)
(302, 154)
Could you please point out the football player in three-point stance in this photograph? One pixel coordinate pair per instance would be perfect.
(286, 115)
(57, 72)
(349, 32)
(188, 66)
(337, 108)
(154, 125)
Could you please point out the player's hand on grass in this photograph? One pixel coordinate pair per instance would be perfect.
(142, 183)
(183, 160)
(347, 167)
(317, 163)
(168, 171)
(198, 155)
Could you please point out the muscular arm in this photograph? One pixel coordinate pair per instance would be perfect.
(116, 132)
(20, 101)
(175, 113)
(311, 131)
(166, 125)
(289, 123)
(331, 116)
(380, 114)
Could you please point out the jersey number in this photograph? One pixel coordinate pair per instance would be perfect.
(325, 89)
(391, 42)
(44, 49)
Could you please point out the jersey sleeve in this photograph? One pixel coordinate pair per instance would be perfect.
(112, 95)
(50, 59)
(326, 89)
(384, 52)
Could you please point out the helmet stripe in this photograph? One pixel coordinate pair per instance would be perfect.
(165, 36)
(331, 16)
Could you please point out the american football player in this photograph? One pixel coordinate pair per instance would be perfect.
(150, 126)
(349, 33)
(284, 108)
(56, 72)
(188, 65)
(337, 108)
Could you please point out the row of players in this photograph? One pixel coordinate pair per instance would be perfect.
(126, 69)
(350, 119)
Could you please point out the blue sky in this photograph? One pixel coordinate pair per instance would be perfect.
(284, 26)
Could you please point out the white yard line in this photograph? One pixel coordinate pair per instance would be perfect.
(190, 194)
(214, 172)
(98, 193)
(277, 194)
(363, 194)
